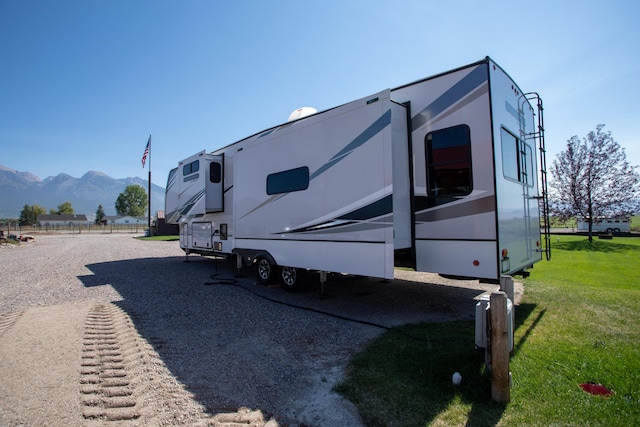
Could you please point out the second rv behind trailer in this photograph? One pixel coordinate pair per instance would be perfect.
(439, 175)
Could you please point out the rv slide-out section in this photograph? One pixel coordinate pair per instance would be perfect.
(439, 175)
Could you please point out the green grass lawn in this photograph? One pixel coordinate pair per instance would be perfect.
(161, 238)
(579, 322)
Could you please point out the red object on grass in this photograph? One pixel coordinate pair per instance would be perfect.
(597, 389)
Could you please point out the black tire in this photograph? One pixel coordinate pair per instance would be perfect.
(265, 271)
(291, 278)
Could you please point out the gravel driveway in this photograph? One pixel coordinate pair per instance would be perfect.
(101, 328)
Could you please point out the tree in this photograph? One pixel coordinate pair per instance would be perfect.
(132, 202)
(63, 209)
(99, 215)
(26, 216)
(29, 214)
(592, 179)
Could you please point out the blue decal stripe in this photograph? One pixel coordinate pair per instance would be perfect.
(366, 135)
(469, 208)
(373, 210)
(380, 208)
(377, 126)
(192, 201)
(467, 84)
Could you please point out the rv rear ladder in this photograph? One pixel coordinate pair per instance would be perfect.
(543, 198)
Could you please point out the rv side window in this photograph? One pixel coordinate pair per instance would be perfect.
(288, 181)
(215, 172)
(190, 168)
(517, 159)
(510, 156)
(449, 161)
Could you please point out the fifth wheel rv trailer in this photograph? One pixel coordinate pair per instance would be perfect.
(605, 225)
(440, 175)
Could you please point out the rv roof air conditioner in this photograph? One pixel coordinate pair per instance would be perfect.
(301, 112)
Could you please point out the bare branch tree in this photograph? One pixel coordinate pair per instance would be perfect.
(592, 178)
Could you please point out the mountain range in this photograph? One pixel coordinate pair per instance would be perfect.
(85, 194)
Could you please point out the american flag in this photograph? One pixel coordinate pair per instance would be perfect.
(146, 152)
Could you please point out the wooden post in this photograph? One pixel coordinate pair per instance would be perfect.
(506, 285)
(500, 391)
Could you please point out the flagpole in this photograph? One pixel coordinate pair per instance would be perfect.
(149, 216)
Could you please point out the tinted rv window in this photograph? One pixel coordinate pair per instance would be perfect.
(191, 168)
(449, 161)
(215, 172)
(517, 159)
(510, 156)
(288, 181)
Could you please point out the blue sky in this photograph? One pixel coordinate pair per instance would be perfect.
(84, 83)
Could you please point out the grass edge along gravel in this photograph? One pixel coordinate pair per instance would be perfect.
(171, 238)
(577, 323)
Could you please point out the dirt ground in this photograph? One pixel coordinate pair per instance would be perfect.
(85, 363)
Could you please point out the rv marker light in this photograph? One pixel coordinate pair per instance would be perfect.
(476, 262)
(505, 253)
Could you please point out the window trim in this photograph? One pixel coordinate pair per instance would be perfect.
(190, 167)
(431, 166)
(528, 160)
(288, 181)
(215, 172)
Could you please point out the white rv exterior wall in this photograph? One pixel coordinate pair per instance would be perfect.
(301, 228)
(367, 164)
(456, 238)
(517, 206)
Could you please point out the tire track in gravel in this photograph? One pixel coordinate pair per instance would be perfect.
(8, 320)
(124, 382)
(108, 353)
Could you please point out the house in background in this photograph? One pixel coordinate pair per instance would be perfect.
(125, 220)
(53, 220)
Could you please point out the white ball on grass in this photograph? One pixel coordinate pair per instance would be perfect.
(456, 378)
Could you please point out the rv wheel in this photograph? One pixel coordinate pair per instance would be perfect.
(290, 278)
(265, 270)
